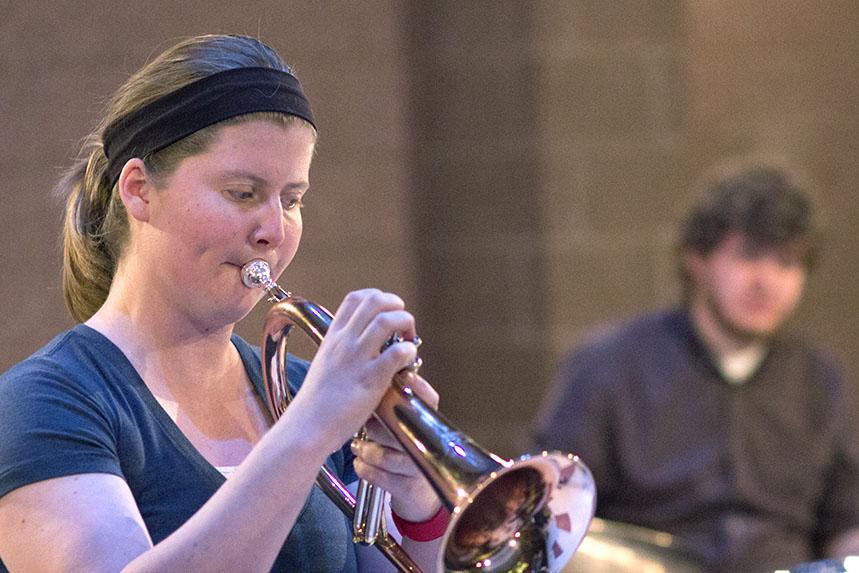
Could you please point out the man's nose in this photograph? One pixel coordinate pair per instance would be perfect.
(770, 270)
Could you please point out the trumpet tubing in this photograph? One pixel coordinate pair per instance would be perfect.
(527, 514)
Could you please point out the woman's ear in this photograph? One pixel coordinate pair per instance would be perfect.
(135, 187)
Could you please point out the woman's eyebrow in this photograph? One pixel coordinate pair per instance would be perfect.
(241, 174)
(258, 181)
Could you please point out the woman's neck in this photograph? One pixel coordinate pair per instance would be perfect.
(163, 343)
(188, 363)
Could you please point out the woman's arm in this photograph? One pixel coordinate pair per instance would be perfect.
(424, 554)
(91, 522)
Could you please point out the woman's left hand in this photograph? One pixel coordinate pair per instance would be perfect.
(381, 460)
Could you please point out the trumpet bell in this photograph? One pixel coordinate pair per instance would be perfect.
(529, 515)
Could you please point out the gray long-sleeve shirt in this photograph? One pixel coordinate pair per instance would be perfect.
(751, 477)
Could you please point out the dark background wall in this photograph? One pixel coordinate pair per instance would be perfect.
(513, 169)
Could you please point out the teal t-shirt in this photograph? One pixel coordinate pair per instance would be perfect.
(79, 406)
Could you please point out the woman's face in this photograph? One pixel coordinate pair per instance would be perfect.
(239, 200)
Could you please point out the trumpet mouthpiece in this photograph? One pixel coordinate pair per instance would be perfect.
(256, 273)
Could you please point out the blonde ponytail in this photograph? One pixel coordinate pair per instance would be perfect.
(95, 230)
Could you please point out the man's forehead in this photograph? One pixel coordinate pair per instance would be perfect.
(795, 247)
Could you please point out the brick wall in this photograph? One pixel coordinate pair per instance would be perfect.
(61, 60)
(783, 78)
(514, 169)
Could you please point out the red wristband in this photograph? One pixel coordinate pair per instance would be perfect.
(428, 530)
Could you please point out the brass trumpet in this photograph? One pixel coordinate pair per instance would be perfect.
(527, 514)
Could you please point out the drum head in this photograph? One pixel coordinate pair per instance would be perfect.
(825, 566)
(612, 547)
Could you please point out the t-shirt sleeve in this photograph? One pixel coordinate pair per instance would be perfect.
(348, 474)
(51, 426)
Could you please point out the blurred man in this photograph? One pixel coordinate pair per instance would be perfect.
(710, 420)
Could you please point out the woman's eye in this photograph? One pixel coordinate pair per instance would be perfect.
(292, 202)
(241, 195)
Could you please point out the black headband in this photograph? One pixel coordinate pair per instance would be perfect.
(200, 104)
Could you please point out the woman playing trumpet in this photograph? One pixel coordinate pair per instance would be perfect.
(114, 433)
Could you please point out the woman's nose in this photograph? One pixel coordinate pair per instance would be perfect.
(271, 225)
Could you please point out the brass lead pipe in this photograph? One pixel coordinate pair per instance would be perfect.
(315, 320)
(527, 514)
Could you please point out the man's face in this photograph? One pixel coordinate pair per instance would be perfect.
(749, 291)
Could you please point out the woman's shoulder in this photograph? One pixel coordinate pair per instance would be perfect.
(68, 391)
(79, 370)
(75, 355)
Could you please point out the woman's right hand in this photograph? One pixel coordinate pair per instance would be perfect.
(353, 368)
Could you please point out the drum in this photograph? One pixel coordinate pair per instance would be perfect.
(825, 566)
(613, 547)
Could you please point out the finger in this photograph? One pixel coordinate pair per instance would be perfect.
(362, 306)
(424, 390)
(349, 304)
(396, 357)
(376, 457)
(377, 432)
(368, 327)
(380, 478)
(391, 327)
